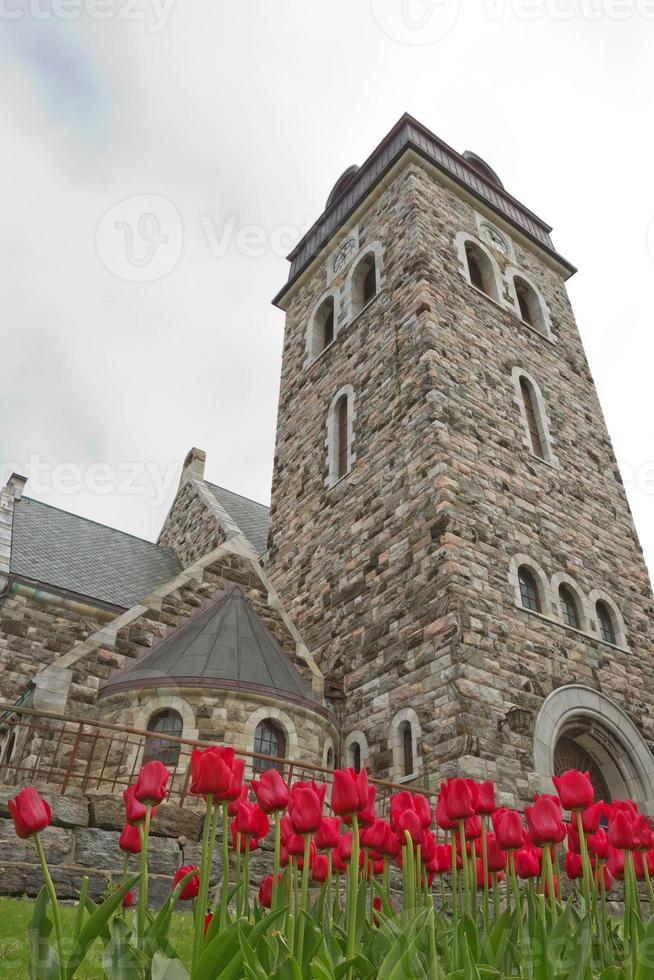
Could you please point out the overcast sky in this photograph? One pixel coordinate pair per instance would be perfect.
(123, 345)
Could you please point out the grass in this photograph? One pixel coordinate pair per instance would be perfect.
(15, 916)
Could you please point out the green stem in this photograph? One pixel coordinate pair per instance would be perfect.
(650, 891)
(143, 884)
(410, 904)
(550, 881)
(305, 897)
(585, 862)
(464, 858)
(246, 879)
(455, 900)
(484, 861)
(329, 884)
(205, 866)
(351, 912)
(278, 847)
(225, 887)
(52, 895)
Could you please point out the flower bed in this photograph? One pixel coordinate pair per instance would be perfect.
(481, 892)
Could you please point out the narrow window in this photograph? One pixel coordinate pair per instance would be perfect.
(355, 750)
(529, 590)
(163, 724)
(607, 631)
(328, 328)
(341, 436)
(364, 283)
(532, 419)
(480, 270)
(269, 740)
(329, 762)
(529, 304)
(569, 607)
(406, 735)
(323, 329)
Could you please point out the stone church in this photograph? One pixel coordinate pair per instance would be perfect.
(448, 580)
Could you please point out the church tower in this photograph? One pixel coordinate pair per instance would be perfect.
(449, 526)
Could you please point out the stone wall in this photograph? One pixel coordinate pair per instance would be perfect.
(190, 528)
(399, 576)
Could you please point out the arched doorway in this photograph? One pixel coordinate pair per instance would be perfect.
(571, 754)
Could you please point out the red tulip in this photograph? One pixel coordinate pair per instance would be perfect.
(211, 771)
(399, 802)
(134, 811)
(496, 856)
(312, 857)
(30, 812)
(621, 830)
(528, 862)
(150, 787)
(590, 818)
(615, 863)
(472, 827)
(207, 921)
(128, 899)
(427, 847)
(409, 821)
(480, 876)
(271, 791)
(233, 805)
(375, 835)
(544, 822)
(508, 828)
(130, 839)
(460, 798)
(192, 886)
(556, 887)
(320, 868)
(265, 892)
(328, 833)
(242, 842)
(305, 807)
(251, 821)
(423, 809)
(443, 859)
(486, 798)
(574, 843)
(643, 836)
(598, 844)
(442, 818)
(573, 865)
(349, 792)
(627, 805)
(575, 789)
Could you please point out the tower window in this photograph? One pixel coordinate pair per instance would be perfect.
(480, 270)
(269, 740)
(532, 419)
(569, 607)
(605, 620)
(529, 304)
(163, 723)
(323, 327)
(529, 590)
(329, 761)
(406, 735)
(355, 752)
(340, 435)
(364, 283)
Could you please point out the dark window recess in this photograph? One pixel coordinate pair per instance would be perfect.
(607, 630)
(370, 283)
(407, 748)
(529, 590)
(166, 722)
(569, 607)
(328, 329)
(476, 275)
(341, 427)
(524, 303)
(356, 756)
(269, 740)
(329, 764)
(532, 420)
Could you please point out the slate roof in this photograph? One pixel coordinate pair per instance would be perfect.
(226, 646)
(69, 552)
(252, 518)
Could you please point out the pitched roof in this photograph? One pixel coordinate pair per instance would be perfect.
(252, 518)
(224, 646)
(69, 552)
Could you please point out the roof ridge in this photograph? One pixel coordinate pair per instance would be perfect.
(90, 520)
(250, 500)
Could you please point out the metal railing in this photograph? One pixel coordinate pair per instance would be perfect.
(76, 756)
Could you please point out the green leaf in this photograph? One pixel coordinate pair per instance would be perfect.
(225, 948)
(120, 959)
(645, 965)
(43, 960)
(612, 973)
(165, 969)
(95, 925)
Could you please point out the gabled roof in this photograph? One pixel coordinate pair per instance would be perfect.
(53, 547)
(226, 646)
(252, 518)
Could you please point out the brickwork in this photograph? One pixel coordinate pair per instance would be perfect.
(190, 528)
(399, 575)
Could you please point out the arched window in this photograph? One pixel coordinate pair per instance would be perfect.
(406, 735)
(329, 759)
(163, 723)
(529, 402)
(529, 593)
(480, 270)
(364, 283)
(605, 621)
(340, 435)
(270, 740)
(323, 326)
(529, 304)
(569, 607)
(355, 756)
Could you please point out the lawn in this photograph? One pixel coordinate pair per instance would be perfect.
(15, 915)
